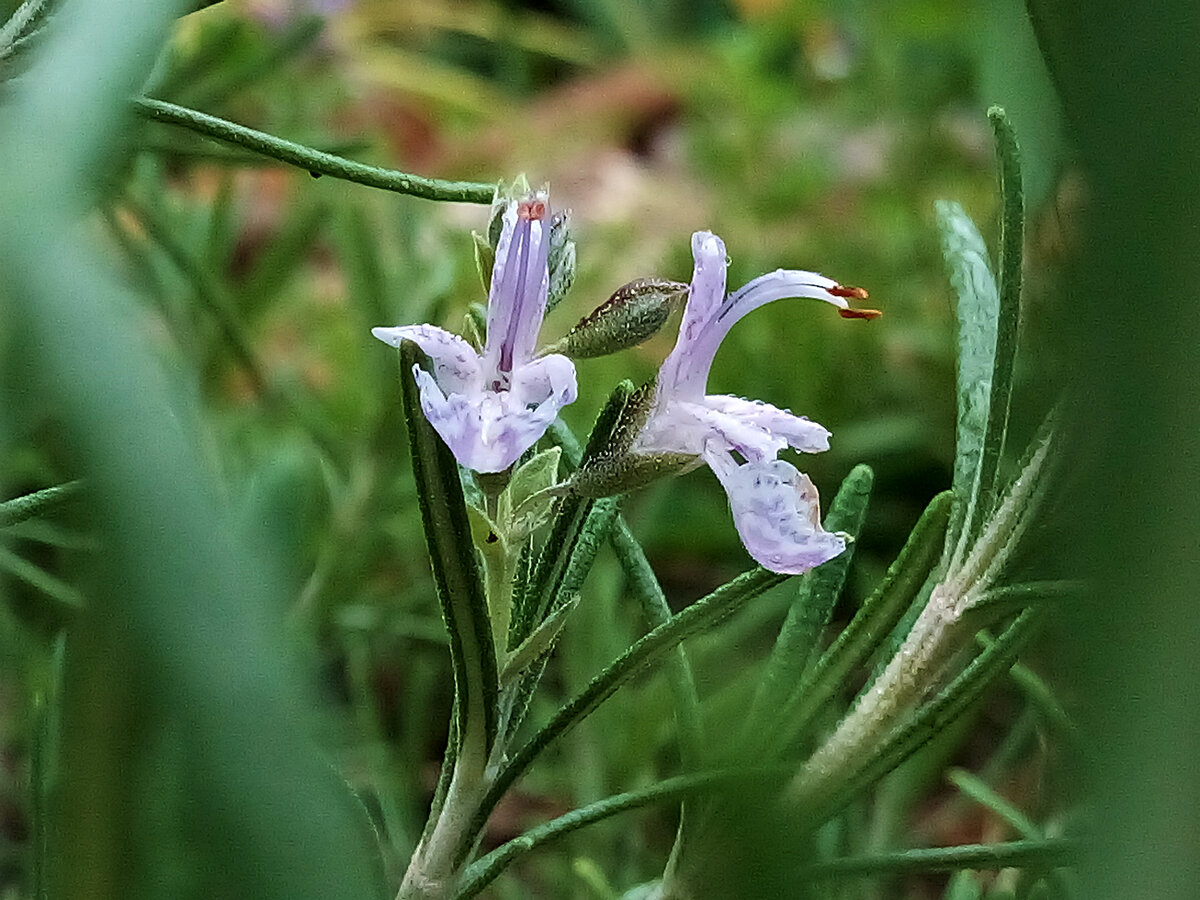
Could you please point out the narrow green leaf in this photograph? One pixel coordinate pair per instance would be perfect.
(1012, 244)
(978, 790)
(19, 509)
(658, 612)
(455, 565)
(540, 643)
(1004, 602)
(976, 309)
(644, 654)
(313, 160)
(67, 600)
(1014, 854)
(809, 612)
(555, 560)
(873, 621)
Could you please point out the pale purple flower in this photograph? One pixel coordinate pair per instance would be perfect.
(491, 408)
(775, 506)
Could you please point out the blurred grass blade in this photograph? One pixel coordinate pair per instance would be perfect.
(809, 612)
(301, 34)
(873, 621)
(176, 675)
(67, 600)
(977, 789)
(454, 562)
(283, 259)
(963, 885)
(1014, 854)
(19, 509)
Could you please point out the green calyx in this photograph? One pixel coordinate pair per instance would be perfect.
(634, 313)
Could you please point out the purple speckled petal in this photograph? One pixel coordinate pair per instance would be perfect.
(776, 511)
(487, 431)
(455, 364)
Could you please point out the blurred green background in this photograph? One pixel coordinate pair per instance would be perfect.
(807, 134)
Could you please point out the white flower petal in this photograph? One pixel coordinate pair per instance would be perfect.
(685, 370)
(799, 432)
(455, 364)
(776, 511)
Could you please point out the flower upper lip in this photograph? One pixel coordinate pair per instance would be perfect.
(491, 407)
(775, 506)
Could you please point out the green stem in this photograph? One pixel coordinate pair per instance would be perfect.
(29, 505)
(485, 870)
(645, 653)
(314, 161)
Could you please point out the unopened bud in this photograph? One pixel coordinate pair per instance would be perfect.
(562, 259)
(631, 315)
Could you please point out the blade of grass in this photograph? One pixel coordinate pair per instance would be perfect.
(1014, 854)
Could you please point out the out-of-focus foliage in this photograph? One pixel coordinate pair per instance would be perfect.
(808, 135)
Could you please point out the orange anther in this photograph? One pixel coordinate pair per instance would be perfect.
(531, 210)
(859, 313)
(850, 293)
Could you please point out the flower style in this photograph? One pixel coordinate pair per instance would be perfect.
(775, 506)
(491, 408)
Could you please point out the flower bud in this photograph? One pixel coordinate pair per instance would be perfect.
(631, 315)
(562, 259)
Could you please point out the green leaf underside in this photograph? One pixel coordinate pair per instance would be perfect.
(932, 718)
(452, 555)
(976, 310)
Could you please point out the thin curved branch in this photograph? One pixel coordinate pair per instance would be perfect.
(315, 161)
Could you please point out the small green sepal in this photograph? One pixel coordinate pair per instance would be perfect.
(634, 313)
